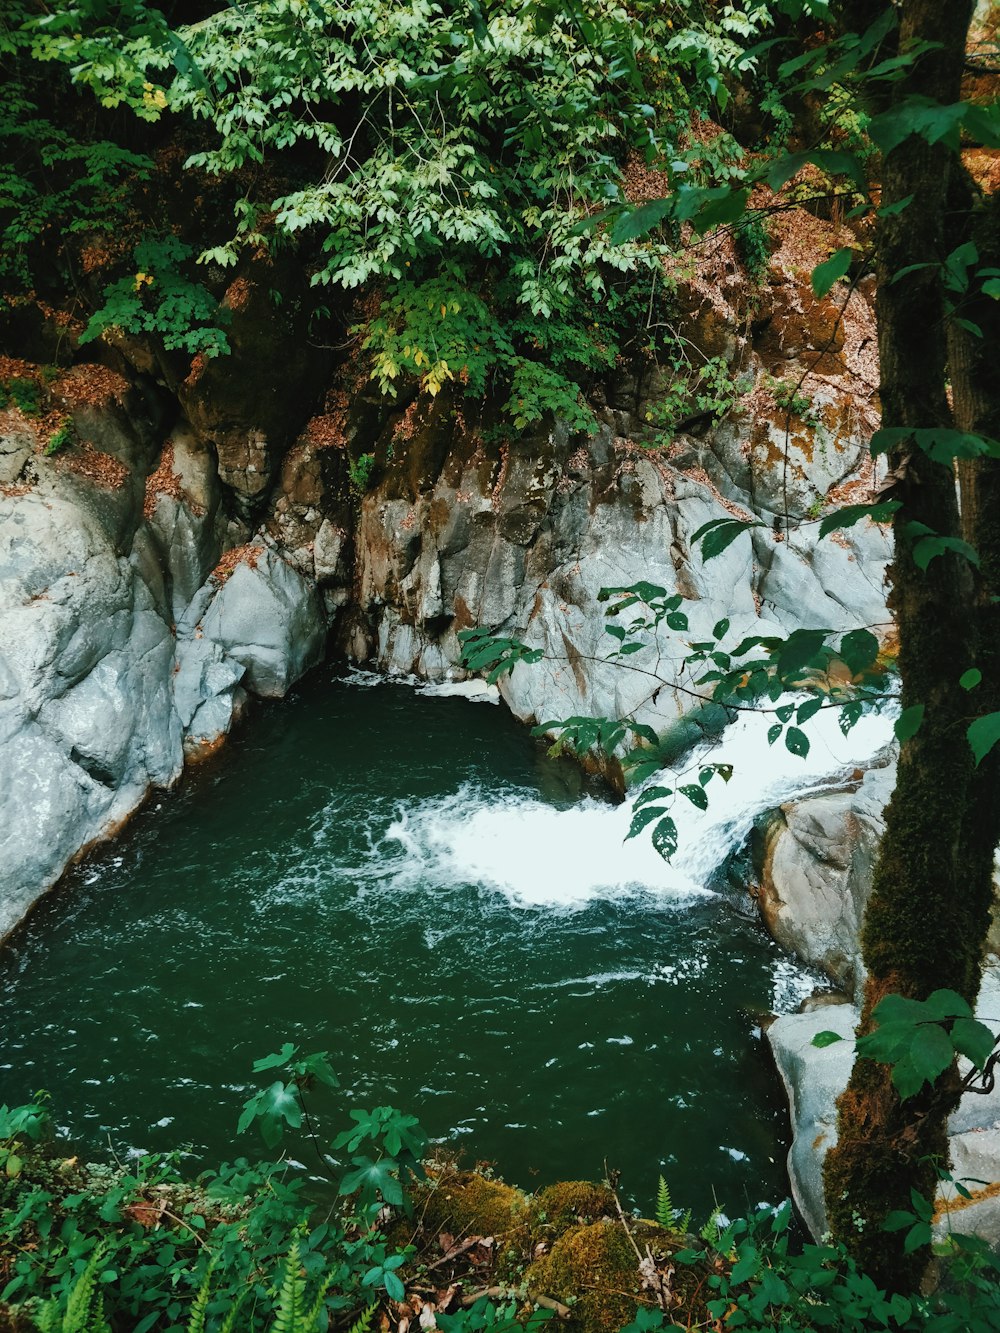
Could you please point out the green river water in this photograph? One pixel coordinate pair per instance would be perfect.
(331, 879)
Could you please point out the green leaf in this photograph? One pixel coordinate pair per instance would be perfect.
(370, 1178)
(720, 629)
(832, 270)
(849, 716)
(931, 1051)
(851, 514)
(797, 742)
(908, 722)
(919, 1235)
(944, 1003)
(716, 535)
(393, 1286)
(317, 1066)
(832, 162)
(640, 221)
(722, 211)
(275, 1060)
(905, 1078)
(927, 548)
(642, 818)
(983, 734)
(826, 1038)
(973, 1039)
(859, 650)
(651, 794)
(970, 679)
(939, 444)
(695, 794)
(278, 1103)
(665, 838)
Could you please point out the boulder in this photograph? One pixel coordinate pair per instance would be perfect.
(814, 1078)
(819, 854)
(269, 619)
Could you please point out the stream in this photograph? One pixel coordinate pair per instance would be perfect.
(410, 883)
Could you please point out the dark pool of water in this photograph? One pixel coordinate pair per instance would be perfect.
(311, 885)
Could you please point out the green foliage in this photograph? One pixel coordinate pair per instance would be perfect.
(24, 394)
(483, 651)
(831, 270)
(707, 390)
(920, 1039)
(448, 157)
(360, 471)
(664, 1204)
(239, 1248)
(753, 245)
(63, 435)
(58, 180)
(789, 398)
(160, 299)
(772, 1283)
(487, 1317)
(719, 533)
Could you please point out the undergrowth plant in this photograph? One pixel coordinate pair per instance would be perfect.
(241, 1247)
(161, 299)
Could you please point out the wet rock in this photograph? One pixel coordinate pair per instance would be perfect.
(268, 618)
(815, 1077)
(817, 870)
(86, 719)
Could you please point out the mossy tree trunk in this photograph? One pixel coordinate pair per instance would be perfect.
(928, 913)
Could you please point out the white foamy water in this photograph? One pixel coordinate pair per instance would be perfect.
(541, 856)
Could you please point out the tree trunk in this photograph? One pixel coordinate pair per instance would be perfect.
(927, 914)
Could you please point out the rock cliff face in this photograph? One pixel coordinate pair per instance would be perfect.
(521, 537)
(125, 646)
(196, 545)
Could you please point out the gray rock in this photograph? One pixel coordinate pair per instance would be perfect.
(87, 719)
(816, 872)
(268, 618)
(817, 868)
(184, 519)
(815, 1077)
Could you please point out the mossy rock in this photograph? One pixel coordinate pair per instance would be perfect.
(467, 1203)
(594, 1269)
(572, 1202)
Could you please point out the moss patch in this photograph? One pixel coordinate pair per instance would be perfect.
(571, 1202)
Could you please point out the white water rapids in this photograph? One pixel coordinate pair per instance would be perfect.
(539, 856)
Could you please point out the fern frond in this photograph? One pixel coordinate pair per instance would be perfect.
(363, 1322)
(684, 1225)
(47, 1319)
(710, 1230)
(233, 1313)
(199, 1309)
(724, 1240)
(311, 1318)
(85, 1305)
(664, 1205)
(288, 1315)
